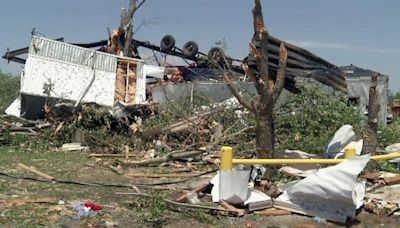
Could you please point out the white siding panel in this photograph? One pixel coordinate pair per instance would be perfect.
(65, 52)
(67, 81)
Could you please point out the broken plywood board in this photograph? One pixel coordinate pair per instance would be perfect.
(387, 193)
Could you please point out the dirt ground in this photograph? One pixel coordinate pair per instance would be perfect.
(119, 210)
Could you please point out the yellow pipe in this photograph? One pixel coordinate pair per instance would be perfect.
(305, 161)
(285, 161)
(226, 158)
(349, 152)
(386, 156)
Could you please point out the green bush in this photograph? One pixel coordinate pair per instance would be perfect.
(9, 88)
(389, 135)
(308, 120)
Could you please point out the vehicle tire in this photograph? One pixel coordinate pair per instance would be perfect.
(190, 49)
(216, 54)
(167, 43)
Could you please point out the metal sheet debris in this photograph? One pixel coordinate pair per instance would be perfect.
(231, 186)
(234, 187)
(15, 108)
(332, 193)
(340, 140)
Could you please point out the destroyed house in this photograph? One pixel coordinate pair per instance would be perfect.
(81, 73)
(358, 84)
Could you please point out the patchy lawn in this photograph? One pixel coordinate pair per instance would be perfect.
(118, 210)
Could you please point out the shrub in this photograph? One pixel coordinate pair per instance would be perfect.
(308, 120)
(9, 88)
(389, 135)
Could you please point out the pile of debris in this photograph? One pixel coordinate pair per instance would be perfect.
(189, 147)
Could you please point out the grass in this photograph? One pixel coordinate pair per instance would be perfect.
(124, 210)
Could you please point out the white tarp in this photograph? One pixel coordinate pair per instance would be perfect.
(332, 193)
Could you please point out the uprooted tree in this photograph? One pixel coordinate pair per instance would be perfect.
(268, 85)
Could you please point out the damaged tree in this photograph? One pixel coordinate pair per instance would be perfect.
(268, 85)
(371, 137)
(127, 25)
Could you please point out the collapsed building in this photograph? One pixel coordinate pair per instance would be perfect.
(85, 73)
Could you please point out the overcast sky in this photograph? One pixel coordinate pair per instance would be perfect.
(362, 32)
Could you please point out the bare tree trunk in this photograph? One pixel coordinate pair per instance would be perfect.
(370, 136)
(127, 25)
(268, 85)
(265, 135)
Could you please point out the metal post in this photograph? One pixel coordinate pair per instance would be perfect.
(226, 158)
(349, 152)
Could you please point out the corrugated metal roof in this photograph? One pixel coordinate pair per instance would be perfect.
(73, 54)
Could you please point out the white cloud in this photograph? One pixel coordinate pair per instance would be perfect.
(329, 45)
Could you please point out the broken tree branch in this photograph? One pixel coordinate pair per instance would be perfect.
(169, 157)
(252, 76)
(160, 175)
(258, 17)
(111, 155)
(280, 78)
(227, 75)
(237, 133)
(181, 125)
(33, 170)
(235, 93)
